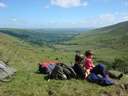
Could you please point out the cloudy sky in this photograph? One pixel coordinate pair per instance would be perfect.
(62, 13)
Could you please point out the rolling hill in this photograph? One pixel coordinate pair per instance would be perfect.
(115, 37)
(108, 43)
(42, 36)
(25, 58)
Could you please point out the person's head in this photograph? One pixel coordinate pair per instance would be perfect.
(89, 53)
(78, 52)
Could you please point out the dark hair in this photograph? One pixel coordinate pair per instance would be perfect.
(77, 51)
(88, 53)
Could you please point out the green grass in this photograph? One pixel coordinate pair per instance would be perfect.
(108, 42)
(25, 58)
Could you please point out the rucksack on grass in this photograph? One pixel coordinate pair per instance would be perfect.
(6, 72)
(62, 72)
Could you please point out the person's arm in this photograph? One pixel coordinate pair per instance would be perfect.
(93, 65)
(87, 72)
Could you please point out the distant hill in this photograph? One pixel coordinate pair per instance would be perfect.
(115, 37)
(107, 43)
(42, 36)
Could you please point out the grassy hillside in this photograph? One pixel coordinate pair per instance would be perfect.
(41, 36)
(108, 42)
(111, 37)
(115, 36)
(25, 57)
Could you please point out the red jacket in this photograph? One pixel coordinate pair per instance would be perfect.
(88, 63)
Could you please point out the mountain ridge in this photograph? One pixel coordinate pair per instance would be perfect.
(110, 35)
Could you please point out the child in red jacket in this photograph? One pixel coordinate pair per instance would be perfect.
(98, 69)
(88, 62)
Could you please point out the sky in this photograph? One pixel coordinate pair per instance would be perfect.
(62, 13)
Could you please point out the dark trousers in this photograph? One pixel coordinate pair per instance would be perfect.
(100, 69)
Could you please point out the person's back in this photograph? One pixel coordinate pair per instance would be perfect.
(78, 66)
(78, 57)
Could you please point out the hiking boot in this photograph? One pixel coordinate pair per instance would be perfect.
(120, 76)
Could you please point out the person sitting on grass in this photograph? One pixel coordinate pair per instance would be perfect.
(78, 66)
(78, 57)
(92, 72)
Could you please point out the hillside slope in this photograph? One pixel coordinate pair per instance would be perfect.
(40, 37)
(25, 57)
(108, 43)
(115, 37)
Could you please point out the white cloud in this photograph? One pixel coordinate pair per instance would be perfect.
(125, 18)
(104, 19)
(69, 3)
(122, 16)
(98, 21)
(2, 5)
(101, 20)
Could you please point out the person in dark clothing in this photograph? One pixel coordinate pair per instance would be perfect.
(78, 66)
(78, 57)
